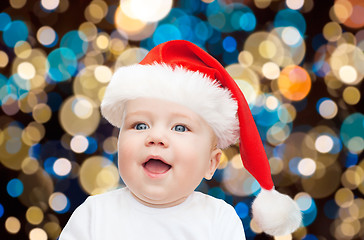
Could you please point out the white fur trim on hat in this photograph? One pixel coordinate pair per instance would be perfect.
(275, 213)
(177, 84)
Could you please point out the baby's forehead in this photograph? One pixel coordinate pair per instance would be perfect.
(147, 106)
(163, 108)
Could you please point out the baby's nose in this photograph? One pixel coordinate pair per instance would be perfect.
(156, 140)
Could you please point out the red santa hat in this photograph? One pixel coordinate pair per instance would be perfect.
(181, 72)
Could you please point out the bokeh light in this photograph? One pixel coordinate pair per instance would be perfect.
(294, 83)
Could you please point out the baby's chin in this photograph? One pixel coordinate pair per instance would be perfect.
(159, 203)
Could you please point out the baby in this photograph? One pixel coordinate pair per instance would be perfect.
(176, 110)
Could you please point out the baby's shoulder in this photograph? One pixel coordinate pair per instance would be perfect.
(210, 203)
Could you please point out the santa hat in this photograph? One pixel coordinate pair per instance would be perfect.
(181, 72)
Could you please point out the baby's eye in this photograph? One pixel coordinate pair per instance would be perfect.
(180, 128)
(141, 126)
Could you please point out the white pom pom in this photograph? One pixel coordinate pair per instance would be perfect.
(275, 213)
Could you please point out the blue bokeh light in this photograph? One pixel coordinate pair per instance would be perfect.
(5, 19)
(61, 64)
(48, 166)
(248, 21)
(310, 237)
(166, 32)
(229, 44)
(351, 159)
(242, 210)
(15, 187)
(76, 41)
(14, 32)
(1, 210)
(92, 145)
(288, 17)
(217, 192)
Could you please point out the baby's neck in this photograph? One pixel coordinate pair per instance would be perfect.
(158, 205)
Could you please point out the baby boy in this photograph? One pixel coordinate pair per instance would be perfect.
(176, 110)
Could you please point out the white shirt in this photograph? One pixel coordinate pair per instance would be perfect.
(117, 215)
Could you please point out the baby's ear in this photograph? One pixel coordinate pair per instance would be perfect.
(213, 163)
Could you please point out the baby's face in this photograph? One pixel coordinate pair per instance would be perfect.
(165, 150)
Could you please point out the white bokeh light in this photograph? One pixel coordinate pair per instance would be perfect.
(79, 144)
(295, 4)
(291, 36)
(151, 11)
(324, 144)
(62, 166)
(50, 4)
(307, 166)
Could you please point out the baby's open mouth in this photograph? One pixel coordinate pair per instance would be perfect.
(156, 166)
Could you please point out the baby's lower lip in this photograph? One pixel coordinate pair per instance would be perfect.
(155, 175)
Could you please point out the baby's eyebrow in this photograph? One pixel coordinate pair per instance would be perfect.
(137, 113)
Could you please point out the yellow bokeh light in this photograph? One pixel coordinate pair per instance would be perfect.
(267, 49)
(332, 31)
(12, 225)
(82, 108)
(90, 170)
(245, 58)
(236, 162)
(352, 177)
(276, 165)
(96, 11)
(72, 123)
(130, 56)
(34, 215)
(42, 113)
(52, 229)
(17, 4)
(351, 95)
(262, 3)
(224, 160)
(89, 30)
(30, 165)
(4, 59)
(102, 42)
(22, 49)
(344, 197)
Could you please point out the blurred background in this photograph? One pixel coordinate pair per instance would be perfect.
(300, 64)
